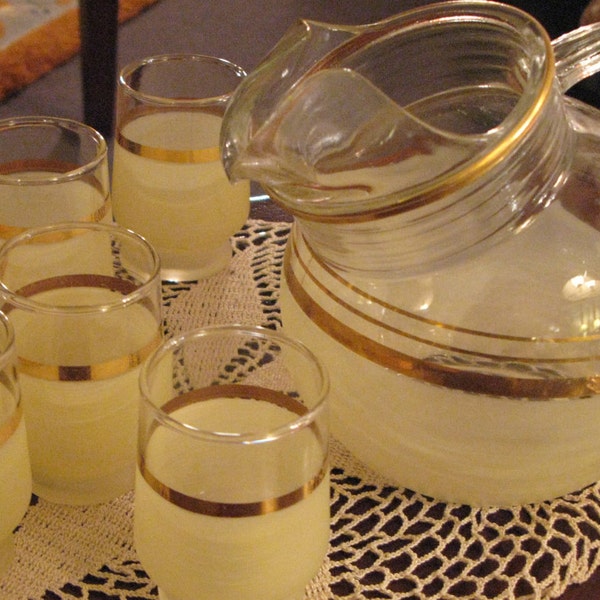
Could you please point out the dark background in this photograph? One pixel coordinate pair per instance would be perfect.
(244, 31)
(558, 17)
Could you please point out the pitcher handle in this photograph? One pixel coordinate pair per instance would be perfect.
(577, 55)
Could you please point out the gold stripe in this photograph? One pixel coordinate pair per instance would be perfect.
(27, 165)
(7, 429)
(8, 231)
(103, 370)
(235, 390)
(226, 509)
(391, 308)
(229, 509)
(52, 166)
(96, 372)
(202, 155)
(434, 372)
(114, 284)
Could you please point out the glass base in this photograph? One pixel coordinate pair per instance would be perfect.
(7, 554)
(191, 266)
(88, 492)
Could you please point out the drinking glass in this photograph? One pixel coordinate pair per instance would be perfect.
(51, 170)
(85, 302)
(168, 181)
(232, 486)
(15, 471)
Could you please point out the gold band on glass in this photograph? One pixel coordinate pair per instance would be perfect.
(9, 427)
(57, 167)
(104, 370)
(235, 390)
(8, 231)
(202, 155)
(107, 282)
(430, 371)
(37, 165)
(229, 509)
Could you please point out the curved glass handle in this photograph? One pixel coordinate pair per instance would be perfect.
(577, 55)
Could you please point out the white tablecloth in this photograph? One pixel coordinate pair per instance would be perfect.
(386, 542)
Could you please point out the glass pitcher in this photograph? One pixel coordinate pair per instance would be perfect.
(445, 255)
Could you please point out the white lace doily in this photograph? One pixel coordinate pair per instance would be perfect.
(385, 543)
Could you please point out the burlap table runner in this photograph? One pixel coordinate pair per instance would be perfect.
(385, 543)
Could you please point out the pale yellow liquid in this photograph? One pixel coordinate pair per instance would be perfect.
(448, 444)
(187, 211)
(82, 434)
(25, 206)
(195, 557)
(15, 489)
(91, 251)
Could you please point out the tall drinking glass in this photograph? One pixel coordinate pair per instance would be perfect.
(15, 471)
(168, 181)
(85, 302)
(232, 488)
(51, 170)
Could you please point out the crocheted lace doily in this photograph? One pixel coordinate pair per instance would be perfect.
(386, 542)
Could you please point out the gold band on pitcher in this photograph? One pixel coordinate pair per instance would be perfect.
(202, 155)
(8, 428)
(233, 509)
(432, 371)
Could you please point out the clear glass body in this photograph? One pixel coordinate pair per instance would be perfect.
(399, 173)
(86, 306)
(168, 181)
(477, 385)
(51, 170)
(15, 470)
(443, 262)
(232, 466)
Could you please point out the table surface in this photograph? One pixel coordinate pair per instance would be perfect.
(387, 542)
(240, 31)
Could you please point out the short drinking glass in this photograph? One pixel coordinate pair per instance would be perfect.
(169, 184)
(232, 488)
(51, 170)
(15, 471)
(85, 302)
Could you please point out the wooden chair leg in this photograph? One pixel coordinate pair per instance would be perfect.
(98, 30)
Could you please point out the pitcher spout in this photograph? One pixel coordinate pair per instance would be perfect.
(336, 139)
(302, 46)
